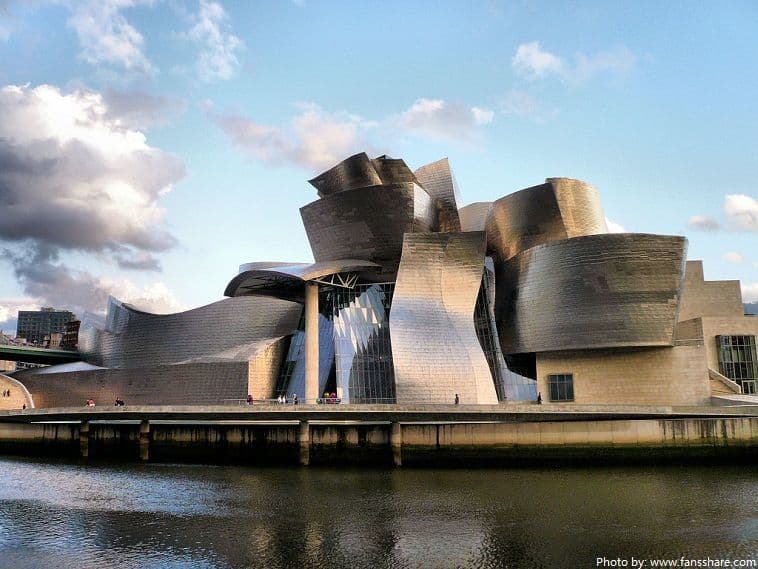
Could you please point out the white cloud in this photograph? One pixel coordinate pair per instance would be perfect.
(532, 61)
(105, 35)
(315, 138)
(438, 119)
(614, 227)
(218, 46)
(73, 177)
(702, 223)
(750, 292)
(733, 257)
(742, 212)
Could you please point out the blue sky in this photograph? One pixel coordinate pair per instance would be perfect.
(147, 148)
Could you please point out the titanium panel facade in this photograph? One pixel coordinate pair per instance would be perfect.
(354, 172)
(133, 339)
(435, 348)
(474, 216)
(558, 209)
(598, 291)
(438, 180)
(368, 223)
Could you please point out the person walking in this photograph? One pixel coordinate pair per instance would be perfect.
(457, 399)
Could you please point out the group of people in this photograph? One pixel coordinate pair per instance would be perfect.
(119, 402)
(329, 398)
(90, 402)
(6, 393)
(283, 399)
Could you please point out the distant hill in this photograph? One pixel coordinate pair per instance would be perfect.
(751, 308)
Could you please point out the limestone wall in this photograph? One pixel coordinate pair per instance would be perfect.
(643, 376)
(708, 298)
(18, 395)
(731, 326)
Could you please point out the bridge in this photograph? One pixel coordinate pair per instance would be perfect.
(32, 355)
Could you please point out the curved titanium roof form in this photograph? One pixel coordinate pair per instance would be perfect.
(474, 216)
(560, 208)
(368, 223)
(279, 279)
(359, 171)
(435, 348)
(438, 180)
(132, 338)
(598, 291)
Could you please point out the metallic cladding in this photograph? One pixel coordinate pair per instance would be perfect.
(435, 348)
(225, 329)
(474, 216)
(273, 278)
(292, 374)
(438, 180)
(354, 172)
(368, 223)
(596, 291)
(558, 209)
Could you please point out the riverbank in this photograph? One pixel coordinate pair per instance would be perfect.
(385, 435)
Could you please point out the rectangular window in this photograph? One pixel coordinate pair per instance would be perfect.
(561, 386)
(738, 360)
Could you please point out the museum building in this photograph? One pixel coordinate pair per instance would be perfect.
(412, 299)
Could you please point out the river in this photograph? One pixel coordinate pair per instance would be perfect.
(102, 515)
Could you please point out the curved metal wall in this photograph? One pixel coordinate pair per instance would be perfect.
(558, 209)
(438, 180)
(474, 216)
(368, 223)
(596, 291)
(435, 348)
(138, 339)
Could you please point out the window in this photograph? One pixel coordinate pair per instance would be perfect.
(738, 360)
(561, 386)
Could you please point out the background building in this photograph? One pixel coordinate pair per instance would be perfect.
(37, 326)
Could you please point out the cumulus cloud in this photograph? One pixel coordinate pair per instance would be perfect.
(733, 257)
(614, 227)
(9, 308)
(315, 138)
(533, 62)
(105, 35)
(218, 46)
(702, 223)
(750, 292)
(439, 119)
(741, 211)
(73, 177)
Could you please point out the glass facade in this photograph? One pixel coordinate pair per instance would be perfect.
(738, 361)
(508, 384)
(561, 387)
(363, 356)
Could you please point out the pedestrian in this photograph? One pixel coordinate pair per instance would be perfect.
(249, 399)
(539, 398)
(294, 398)
(24, 406)
(457, 399)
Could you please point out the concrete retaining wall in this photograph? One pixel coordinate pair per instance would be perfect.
(462, 444)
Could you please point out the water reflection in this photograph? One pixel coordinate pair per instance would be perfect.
(70, 515)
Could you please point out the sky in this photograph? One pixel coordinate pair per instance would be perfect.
(150, 147)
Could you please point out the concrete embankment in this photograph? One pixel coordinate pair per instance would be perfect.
(511, 441)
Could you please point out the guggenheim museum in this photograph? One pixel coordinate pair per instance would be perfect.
(414, 299)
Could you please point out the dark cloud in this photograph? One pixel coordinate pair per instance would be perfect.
(72, 177)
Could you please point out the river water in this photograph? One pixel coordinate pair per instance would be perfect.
(67, 514)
